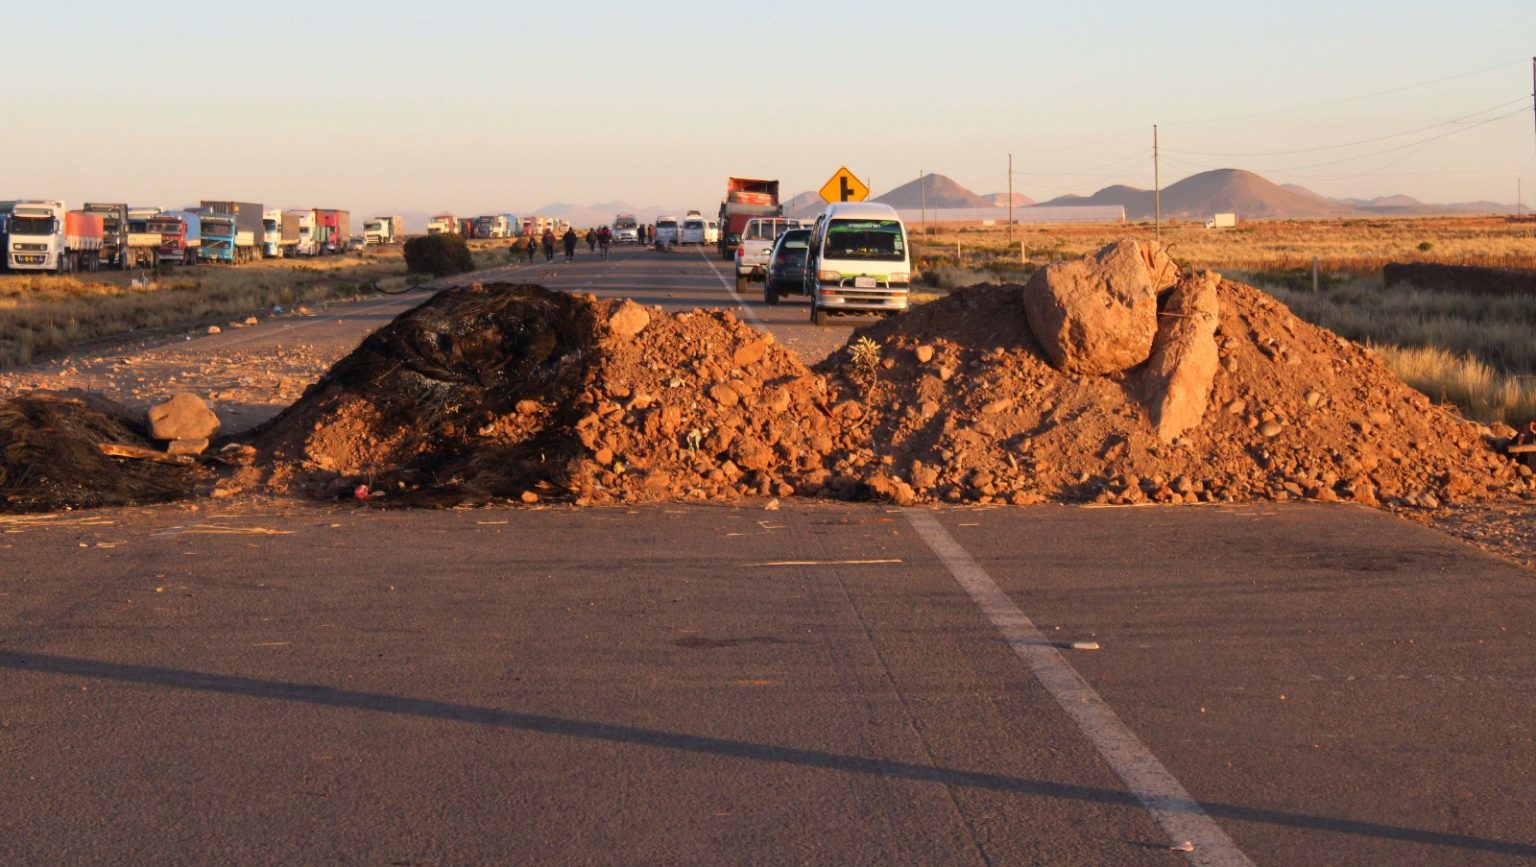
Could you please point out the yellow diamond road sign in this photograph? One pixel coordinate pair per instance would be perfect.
(844, 187)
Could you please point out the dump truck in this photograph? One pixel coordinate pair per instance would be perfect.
(384, 230)
(143, 245)
(46, 236)
(279, 233)
(332, 229)
(114, 233)
(181, 236)
(745, 199)
(249, 232)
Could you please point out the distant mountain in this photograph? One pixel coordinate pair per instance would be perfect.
(1000, 200)
(1219, 191)
(805, 206)
(602, 213)
(936, 191)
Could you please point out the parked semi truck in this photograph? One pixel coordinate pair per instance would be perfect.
(493, 226)
(332, 229)
(45, 236)
(308, 243)
(143, 244)
(181, 236)
(5, 234)
(384, 230)
(443, 224)
(248, 233)
(279, 233)
(745, 199)
(114, 233)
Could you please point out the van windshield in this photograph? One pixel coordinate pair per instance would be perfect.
(874, 240)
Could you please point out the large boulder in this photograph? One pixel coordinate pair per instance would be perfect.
(1184, 356)
(183, 417)
(1098, 314)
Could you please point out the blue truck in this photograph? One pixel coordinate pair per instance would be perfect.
(218, 236)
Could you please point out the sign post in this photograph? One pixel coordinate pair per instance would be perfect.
(844, 186)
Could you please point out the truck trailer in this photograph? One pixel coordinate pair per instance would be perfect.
(45, 236)
(384, 230)
(280, 233)
(114, 233)
(249, 231)
(745, 198)
(333, 228)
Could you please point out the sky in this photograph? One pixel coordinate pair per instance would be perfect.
(471, 107)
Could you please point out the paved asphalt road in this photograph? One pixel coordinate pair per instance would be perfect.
(825, 683)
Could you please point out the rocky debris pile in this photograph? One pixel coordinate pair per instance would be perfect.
(517, 392)
(994, 394)
(52, 456)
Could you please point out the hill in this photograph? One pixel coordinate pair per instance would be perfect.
(1000, 200)
(936, 191)
(805, 206)
(1218, 191)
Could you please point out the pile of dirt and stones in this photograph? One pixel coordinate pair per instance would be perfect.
(1119, 378)
(518, 392)
(1122, 379)
(72, 451)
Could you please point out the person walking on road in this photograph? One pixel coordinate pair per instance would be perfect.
(604, 240)
(570, 244)
(591, 240)
(549, 245)
(533, 247)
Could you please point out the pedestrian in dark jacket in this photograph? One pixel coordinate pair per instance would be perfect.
(604, 240)
(591, 240)
(570, 244)
(533, 247)
(549, 245)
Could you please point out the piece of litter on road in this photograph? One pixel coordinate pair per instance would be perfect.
(824, 563)
(221, 530)
(491, 523)
(1085, 645)
(1186, 846)
(273, 644)
(772, 505)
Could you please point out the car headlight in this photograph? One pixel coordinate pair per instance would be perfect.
(829, 276)
(900, 277)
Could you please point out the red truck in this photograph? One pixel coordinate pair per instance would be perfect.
(745, 198)
(332, 229)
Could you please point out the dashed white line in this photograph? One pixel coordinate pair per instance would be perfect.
(751, 314)
(1162, 795)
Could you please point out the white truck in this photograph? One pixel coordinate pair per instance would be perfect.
(309, 239)
(757, 239)
(1222, 221)
(47, 236)
(443, 224)
(384, 230)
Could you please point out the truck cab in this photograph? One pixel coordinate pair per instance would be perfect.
(180, 236)
(218, 237)
(143, 245)
(114, 233)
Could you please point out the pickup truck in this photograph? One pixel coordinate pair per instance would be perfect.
(757, 239)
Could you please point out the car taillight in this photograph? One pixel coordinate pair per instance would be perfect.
(779, 259)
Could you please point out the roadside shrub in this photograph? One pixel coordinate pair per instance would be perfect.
(438, 255)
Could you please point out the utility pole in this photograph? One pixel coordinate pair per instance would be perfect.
(1010, 200)
(922, 197)
(1157, 189)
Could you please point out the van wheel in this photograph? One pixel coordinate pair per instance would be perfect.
(741, 282)
(818, 315)
(770, 293)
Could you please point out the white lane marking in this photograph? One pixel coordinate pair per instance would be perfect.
(742, 302)
(1179, 814)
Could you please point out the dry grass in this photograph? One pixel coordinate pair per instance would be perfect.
(1352, 246)
(1480, 391)
(42, 315)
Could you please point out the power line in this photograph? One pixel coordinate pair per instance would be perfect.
(1416, 131)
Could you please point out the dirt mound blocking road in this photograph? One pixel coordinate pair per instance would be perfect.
(517, 392)
(50, 457)
(969, 408)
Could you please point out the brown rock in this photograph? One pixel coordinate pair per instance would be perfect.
(923, 353)
(629, 319)
(1098, 314)
(1184, 358)
(186, 447)
(749, 353)
(724, 394)
(183, 417)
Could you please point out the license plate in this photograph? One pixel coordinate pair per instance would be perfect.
(864, 283)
